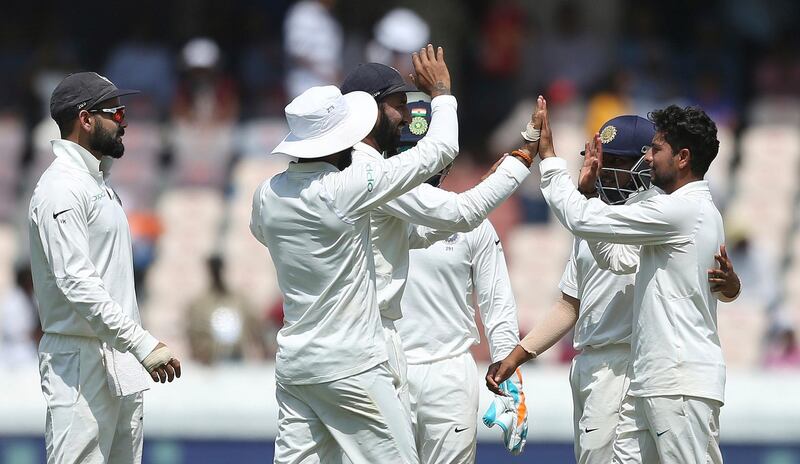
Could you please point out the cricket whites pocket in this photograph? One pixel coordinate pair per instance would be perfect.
(60, 374)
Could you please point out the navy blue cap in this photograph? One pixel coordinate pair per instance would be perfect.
(420, 121)
(376, 79)
(627, 136)
(83, 90)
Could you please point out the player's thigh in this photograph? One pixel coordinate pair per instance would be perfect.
(682, 427)
(446, 411)
(80, 406)
(302, 437)
(366, 417)
(601, 387)
(633, 443)
(126, 447)
(397, 363)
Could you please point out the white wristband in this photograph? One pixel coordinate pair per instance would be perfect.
(157, 358)
(531, 134)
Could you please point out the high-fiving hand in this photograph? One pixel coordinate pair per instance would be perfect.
(431, 73)
(546, 148)
(592, 164)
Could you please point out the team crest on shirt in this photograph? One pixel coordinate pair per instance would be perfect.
(608, 134)
(450, 241)
(418, 126)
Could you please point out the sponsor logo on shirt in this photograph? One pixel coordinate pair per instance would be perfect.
(370, 178)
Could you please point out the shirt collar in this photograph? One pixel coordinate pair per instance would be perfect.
(312, 166)
(81, 157)
(694, 186)
(363, 148)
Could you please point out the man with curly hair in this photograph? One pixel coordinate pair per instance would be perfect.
(678, 372)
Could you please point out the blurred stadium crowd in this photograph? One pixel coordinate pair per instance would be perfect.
(215, 77)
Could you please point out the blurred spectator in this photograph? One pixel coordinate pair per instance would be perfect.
(145, 63)
(571, 55)
(646, 56)
(221, 327)
(777, 73)
(783, 351)
(492, 88)
(261, 67)
(611, 101)
(313, 46)
(398, 34)
(20, 325)
(146, 228)
(760, 290)
(206, 94)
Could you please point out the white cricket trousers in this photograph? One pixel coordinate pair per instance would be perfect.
(397, 363)
(599, 381)
(673, 429)
(85, 422)
(358, 419)
(444, 409)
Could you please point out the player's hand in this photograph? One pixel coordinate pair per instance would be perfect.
(430, 71)
(162, 365)
(592, 164)
(502, 370)
(724, 279)
(546, 148)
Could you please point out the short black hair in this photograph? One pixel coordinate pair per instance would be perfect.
(66, 121)
(690, 128)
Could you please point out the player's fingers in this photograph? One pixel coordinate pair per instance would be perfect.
(440, 54)
(430, 52)
(176, 364)
(170, 371)
(423, 57)
(599, 146)
(154, 376)
(723, 263)
(723, 251)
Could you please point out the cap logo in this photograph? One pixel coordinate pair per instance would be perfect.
(104, 78)
(418, 126)
(82, 104)
(608, 134)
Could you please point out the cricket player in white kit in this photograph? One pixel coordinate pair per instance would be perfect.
(599, 302)
(336, 394)
(439, 212)
(94, 356)
(442, 281)
(677, 371)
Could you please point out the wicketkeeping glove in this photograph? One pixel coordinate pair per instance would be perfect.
(510, 414)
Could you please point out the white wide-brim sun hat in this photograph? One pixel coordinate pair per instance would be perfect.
(322, 122)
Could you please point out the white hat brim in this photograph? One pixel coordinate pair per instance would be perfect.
(362, 116)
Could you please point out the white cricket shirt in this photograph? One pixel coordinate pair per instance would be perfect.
(81, 257)
(438, 311)
(434, 208)
(605, 316)
(674, 344)
(315, 221)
